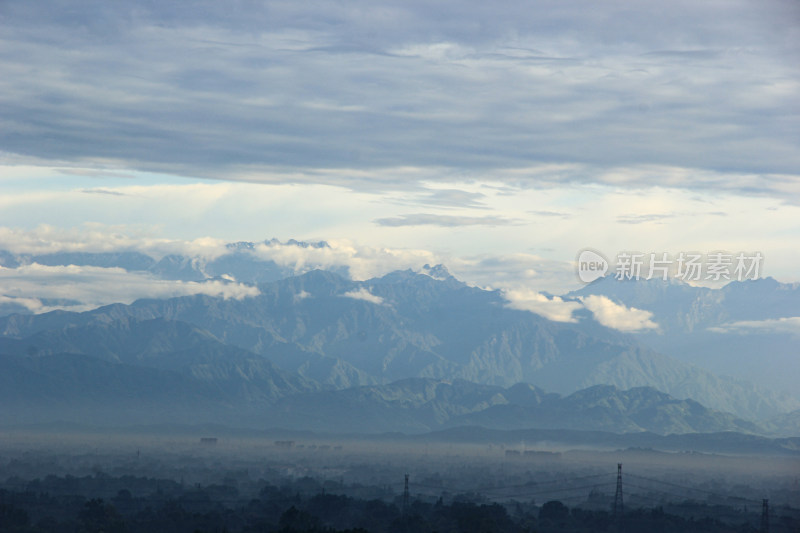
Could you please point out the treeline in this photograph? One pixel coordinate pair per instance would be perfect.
(83, 505)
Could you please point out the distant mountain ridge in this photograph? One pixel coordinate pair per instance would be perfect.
(241, 261)
(419, 404)
(340, 333)
(739, 330)
(187, 388)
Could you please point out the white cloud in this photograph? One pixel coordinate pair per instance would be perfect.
(302, 295)
(96, 286)
(365, 295)
(178, 210)
(96, 237)
(553, 308)
(428, 219)
(618, 316)
(362, 262)
(789, 325)
(34, 305)
(514, 271)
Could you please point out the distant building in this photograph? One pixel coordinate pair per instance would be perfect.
(542, 455)
(208, 441)
(286, 444)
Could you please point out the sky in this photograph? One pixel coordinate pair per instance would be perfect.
(500, 139)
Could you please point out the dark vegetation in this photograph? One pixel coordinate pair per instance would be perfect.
(101, 502)
(240, 481)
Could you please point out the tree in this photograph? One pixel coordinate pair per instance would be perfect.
(97, 516)
(554, 511)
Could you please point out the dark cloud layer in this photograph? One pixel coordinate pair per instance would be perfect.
(232, 89)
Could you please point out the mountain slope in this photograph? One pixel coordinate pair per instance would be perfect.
(166, 345)
(80, 388)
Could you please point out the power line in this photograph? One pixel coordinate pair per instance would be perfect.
(554, 491)
(530, 485)
(533, 492)
(561, 487)
(551, 481)
(685, 487)
(659, 491)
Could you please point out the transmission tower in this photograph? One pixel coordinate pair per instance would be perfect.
(618, 495)
(405, 497)
(764, 516)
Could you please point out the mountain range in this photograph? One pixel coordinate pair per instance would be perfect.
(217, 384)
(418, 351)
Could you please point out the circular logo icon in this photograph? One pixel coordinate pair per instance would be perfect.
(591, 265)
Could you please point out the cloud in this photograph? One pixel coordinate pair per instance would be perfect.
(96, 286)
(546, 213)
(449, 221)
(448, 198)
(103, 191)
(365, 295)
(319, 91)
(95, 237)
(786, 325)
(360, 262)
(302, 295)
(539, 256)
(96, 173)
(514, 271)
(351, 259)
(641, 219)
(662, 218)
(495, 121)
(618, 316)
(553, 308)
(33, 305)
